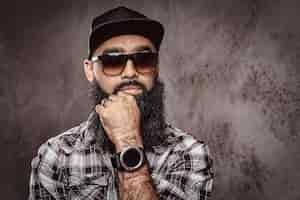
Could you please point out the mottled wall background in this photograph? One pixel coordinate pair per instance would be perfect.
(231, 73)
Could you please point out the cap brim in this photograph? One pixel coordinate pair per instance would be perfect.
(150, 29)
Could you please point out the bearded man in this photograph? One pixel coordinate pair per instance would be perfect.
(125, 149)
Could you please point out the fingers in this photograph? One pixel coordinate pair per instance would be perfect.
(120, 96)
(125, 95)
(99, 108)
(105, 102)
(113, 97)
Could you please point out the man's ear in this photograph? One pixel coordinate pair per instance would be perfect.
(88, 69)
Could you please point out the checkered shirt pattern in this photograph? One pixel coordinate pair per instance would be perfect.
(73, 166)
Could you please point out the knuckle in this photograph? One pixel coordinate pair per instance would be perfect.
(130, 97)
(112, 96)
(98, 108)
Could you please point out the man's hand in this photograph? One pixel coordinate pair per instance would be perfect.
(120, 117)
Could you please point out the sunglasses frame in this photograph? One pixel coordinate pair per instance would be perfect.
(128, 56)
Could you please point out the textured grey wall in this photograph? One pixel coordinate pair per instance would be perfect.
(231, 73)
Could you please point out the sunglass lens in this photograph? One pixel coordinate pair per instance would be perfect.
(146, 62)
(112, 64)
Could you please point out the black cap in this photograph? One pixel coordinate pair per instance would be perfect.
(120, 21)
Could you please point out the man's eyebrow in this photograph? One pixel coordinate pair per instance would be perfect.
(121, 50)
(113, 50)
(143, 48)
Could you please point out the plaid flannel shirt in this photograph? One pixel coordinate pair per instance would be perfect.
(71, 166)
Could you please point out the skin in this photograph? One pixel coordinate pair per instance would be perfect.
(120, 115)
(122, 44)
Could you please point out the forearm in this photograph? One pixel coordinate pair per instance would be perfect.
(137, 185)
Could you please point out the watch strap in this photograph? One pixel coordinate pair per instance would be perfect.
(115, 161)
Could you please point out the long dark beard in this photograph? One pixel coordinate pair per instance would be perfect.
(151, 105)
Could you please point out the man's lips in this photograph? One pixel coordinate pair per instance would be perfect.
(130, 87)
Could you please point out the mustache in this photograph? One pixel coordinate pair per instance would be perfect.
(129, 83)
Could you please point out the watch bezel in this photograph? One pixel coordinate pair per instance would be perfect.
(140, 163)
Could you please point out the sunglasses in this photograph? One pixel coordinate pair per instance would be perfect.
(113, 64)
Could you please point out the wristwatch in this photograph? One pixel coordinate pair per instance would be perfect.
(129, 159)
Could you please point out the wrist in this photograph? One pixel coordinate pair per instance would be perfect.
(123, 145)
(130, 159)
(128, 139)
(138, 176)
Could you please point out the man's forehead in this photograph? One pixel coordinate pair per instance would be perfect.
(125, 43)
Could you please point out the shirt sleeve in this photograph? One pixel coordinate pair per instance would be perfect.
(188, 174)
(45, 178)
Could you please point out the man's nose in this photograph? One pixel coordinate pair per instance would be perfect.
(129, 70)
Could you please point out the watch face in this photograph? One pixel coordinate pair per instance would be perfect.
(132, 158)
